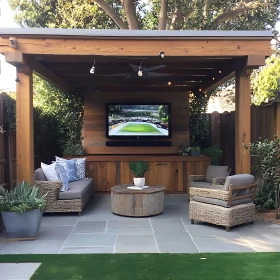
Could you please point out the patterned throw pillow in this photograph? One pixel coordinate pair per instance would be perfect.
(70, 167)
(63, 177)
(81, 168)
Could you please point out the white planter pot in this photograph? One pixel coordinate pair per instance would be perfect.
(139, 182)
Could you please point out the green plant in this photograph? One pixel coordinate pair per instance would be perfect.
(195, 149)
(23, 197)
(1, 129)
(267, 170)
(74, 150)
(138, 168)
(215, 154)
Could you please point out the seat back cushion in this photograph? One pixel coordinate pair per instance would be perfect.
(39, 175)
(237, 181)
(214, 171)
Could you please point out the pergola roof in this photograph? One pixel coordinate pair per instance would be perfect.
(53, 32)
(194, 60)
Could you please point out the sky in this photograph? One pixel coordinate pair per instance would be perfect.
(8, 73)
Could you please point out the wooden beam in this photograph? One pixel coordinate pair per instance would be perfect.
(14, 58)
(242, 122)
(24, 126)
(144, 47)
(46, 74)
(218, 81)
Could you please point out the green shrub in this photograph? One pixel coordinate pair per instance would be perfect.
(23, 197)
(138, 168)
(267, 170)
(215, 154)
(74, 150)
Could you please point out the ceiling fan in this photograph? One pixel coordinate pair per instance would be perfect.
(145, 72)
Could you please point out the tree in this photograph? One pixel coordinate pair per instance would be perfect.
(265, 81)
(148, 14)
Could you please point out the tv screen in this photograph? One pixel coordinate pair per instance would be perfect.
(138, 121)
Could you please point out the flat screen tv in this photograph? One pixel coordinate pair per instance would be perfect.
(138, 121)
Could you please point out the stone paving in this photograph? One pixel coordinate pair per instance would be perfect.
(100, 231)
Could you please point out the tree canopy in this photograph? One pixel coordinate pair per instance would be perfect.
(148, 14)
(265, 81)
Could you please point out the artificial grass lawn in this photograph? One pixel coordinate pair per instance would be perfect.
(226, 266)
(144, 128)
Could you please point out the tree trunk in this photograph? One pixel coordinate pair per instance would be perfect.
(111, 13)
(163, 15)
(130, 12)
(276, 203)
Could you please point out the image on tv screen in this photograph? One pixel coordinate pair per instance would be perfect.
(138, 120)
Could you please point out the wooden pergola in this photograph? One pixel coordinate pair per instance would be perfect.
(195, 62)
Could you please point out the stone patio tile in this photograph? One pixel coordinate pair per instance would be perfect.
(130, 230)
(167, 197)
(172, 212)
(32, 247)
(87, 250)
(101, 198)
(260, 247)
(258, 225)
(266, 237)
(210, 231)
(129, 222)
(100, 216)
(167, 225)
(216, 245)
(97, 207)
(136, 244)
(175, 242)
(90, 227)
(183, 197)
(90, 240)
(18, 271)
(54, 232)
(60, 220)
(186, 221)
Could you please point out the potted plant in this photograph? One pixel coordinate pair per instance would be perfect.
(215, 154)
(22, 210)
(138, 168)
(195, 151)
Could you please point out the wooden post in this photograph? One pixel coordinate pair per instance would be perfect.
(242, 122)
(24, 125)
(277, 118)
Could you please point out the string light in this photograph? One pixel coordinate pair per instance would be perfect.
(213, 78)
(161, 55)
(92, 70)
(140, 73)
(220, 72)
(169, 83)
(200, 89)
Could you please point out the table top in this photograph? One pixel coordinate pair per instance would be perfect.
(124, 189)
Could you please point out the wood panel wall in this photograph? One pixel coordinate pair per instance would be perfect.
(95, 120)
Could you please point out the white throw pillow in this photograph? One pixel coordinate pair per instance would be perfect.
(49, 171)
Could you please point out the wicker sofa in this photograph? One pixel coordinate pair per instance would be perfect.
(227, 205)
(73, 200)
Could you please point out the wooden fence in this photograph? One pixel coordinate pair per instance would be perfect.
(8, 151)
(265, 124)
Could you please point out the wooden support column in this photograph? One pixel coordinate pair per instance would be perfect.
(24, 125)
(242, 122)
(277, 118)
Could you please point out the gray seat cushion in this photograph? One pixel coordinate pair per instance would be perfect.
(39, 175)
(214, 171)
(200, 185)
(77, 189)
(220, 202)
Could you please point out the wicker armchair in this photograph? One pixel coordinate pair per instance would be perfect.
(227, 205)
(55, 202)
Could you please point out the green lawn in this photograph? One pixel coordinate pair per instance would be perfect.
(226, 266)
(140, 128)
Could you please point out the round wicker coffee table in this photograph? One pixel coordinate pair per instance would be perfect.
(137, 203)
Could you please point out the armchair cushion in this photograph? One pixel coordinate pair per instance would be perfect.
(214, 171)
(77, 189)
(200, 184)
(221, 202)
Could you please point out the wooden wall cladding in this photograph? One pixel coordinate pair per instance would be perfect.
(172, 173)
(95, 120)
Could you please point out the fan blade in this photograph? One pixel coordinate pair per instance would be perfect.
(116, 74)
(134, 67)
(158, 74)
(155, 67)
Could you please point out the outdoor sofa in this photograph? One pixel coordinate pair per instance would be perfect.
(73, 200)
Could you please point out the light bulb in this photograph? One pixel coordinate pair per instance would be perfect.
(161, 55)
(169, 83)
(92, 70)
(140, 73)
